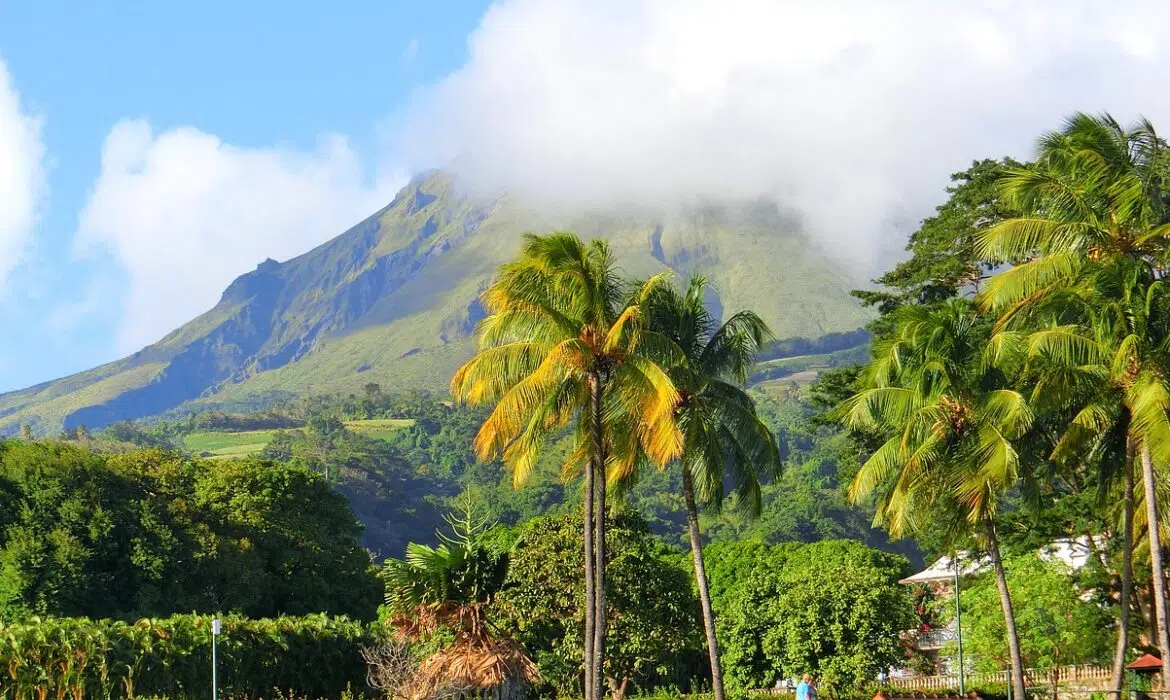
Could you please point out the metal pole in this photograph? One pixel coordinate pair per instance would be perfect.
(959, 626)
(214, 679)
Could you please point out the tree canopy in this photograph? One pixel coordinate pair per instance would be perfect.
(151, 533)
(653, 636)
(833, 608)
(1060, 623)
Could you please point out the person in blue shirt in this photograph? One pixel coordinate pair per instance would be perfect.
(804, 689)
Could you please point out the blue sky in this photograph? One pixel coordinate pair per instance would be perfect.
(150, 152)
(254, 74)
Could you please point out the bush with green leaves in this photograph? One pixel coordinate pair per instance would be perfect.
(834, 609)
(312, 656)
(653, 638)
(1059, 625)
(153, 533)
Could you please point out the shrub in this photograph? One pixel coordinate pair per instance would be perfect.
(312, 656)
(151, 533)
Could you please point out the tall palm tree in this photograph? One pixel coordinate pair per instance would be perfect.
(1094, 232)
(723, 436)
(564, 343)
(1072, 383)
(938, 391)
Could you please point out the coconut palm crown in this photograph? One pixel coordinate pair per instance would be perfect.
(559, 319)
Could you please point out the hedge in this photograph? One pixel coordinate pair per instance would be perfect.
(312, 656)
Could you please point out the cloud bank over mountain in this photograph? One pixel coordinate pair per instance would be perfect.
(854, 112)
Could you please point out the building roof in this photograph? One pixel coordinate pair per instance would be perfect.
(943, 570)
(1073, 552)
(1145, 662)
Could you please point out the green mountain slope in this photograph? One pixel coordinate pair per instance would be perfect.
(394, 301)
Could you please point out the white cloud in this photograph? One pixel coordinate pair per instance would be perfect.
(184, 214)
(853, 111)
(21, 176)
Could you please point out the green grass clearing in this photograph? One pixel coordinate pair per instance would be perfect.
(379, 428)
(780, 387)
(228, 444)
(222, 444)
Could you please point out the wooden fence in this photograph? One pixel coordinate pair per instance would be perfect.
(1078, 675)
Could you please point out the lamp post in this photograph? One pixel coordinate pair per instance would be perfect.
(214, 681)
(959, 625)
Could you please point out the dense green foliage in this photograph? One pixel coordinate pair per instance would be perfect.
(653, 637)
(1059, 625)
(807, 502)
(399, 485)
(152, 533)
(314, 656)
(832, 608)
(463, 571)
(383, 488)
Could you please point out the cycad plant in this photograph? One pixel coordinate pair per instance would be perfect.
(448, 583)
(1090, 249)
(940, 395)
(448, 587)
(724, 439)
(565, 344)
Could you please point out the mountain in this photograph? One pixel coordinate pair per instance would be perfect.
(394, 300)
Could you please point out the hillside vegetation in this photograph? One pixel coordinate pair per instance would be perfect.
(400, 459)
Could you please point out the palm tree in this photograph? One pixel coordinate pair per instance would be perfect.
(565, 343)
(1093, 235)
(723, 436)
(940, 394)
(1073, 386)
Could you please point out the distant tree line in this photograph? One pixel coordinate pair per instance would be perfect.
(830, 342)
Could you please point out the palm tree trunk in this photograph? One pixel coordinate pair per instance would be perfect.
(1159, 602)
(595, 642)
(1009, 617)
(1147, 615)
(704, 589)
(1126, 573)
(599, 626)
(590, 579)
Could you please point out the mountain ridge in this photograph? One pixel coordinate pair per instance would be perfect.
(394, 300)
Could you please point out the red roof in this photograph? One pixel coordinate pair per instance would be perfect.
(1145, 662)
